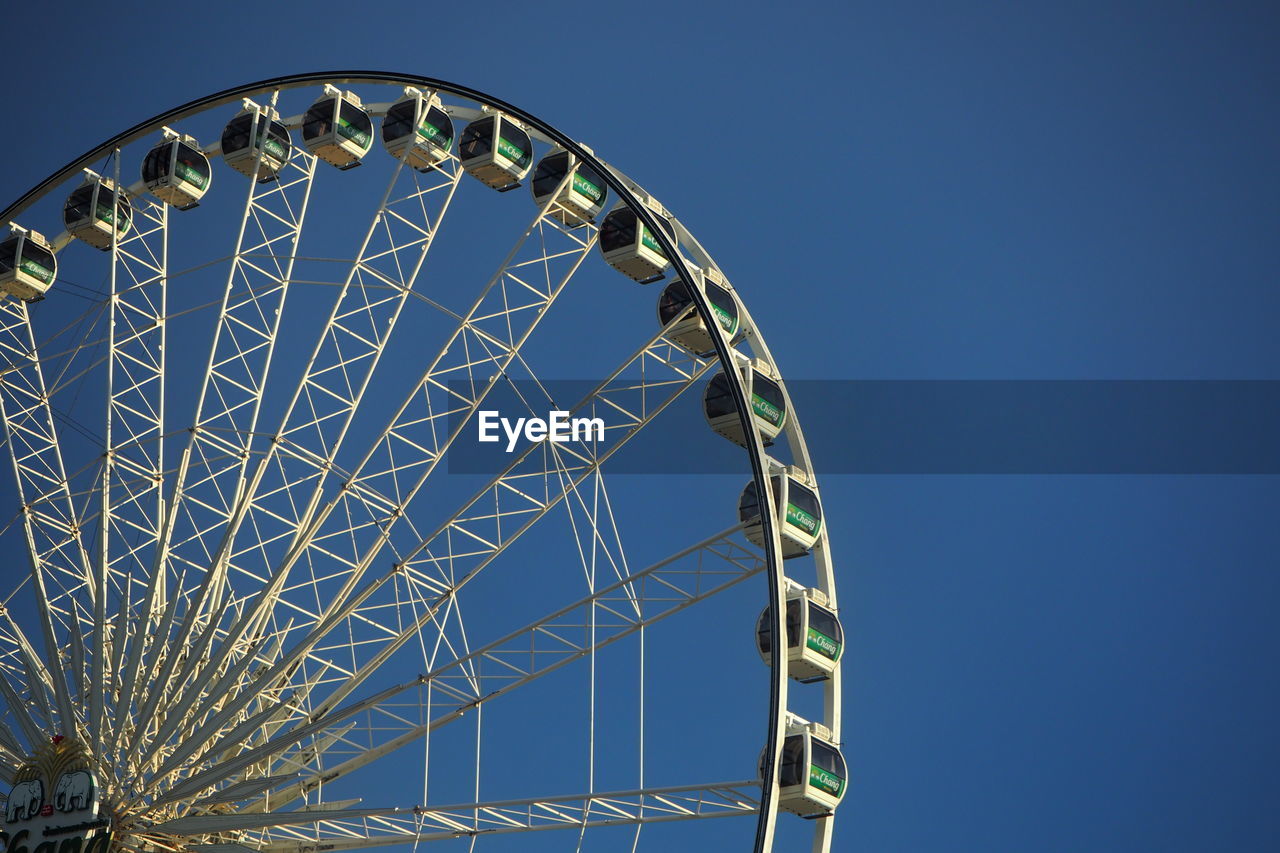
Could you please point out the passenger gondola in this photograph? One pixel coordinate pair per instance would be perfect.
(812, 775)
(580, 198)
(799, 518)
(95, 211)
(256, 131)
(27, 264)
(416, 129)
(176, 171)
(768, 403)
(631, 248)
(496, 150)
(814, 636)
(692, 332)
(337, 129)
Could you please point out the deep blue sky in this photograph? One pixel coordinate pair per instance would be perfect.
(909, 190)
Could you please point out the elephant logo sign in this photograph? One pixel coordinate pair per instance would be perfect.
(74, 791)
(53, 804)
(25, 801)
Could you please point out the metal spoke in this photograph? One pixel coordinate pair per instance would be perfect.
(133, 473)
(353, 829)
(59, 562)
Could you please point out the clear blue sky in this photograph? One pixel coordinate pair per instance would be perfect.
(909, 190)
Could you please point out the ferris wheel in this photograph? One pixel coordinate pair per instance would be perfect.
(262, 596)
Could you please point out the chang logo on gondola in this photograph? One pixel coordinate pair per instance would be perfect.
(825, 780)
(512, 152)
(430, 132)
(585, 188)
(801, 519)
(822, 644)
(647, 239)
(32, 268)
(271, 146)
(191, 175)
(557, 427)
(53, 804)
(355, 134)
(727, 321)
(766, 410)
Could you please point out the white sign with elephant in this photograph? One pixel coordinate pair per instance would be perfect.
(52, 806)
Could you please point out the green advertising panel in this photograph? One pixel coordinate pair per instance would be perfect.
(823, 645)
(797, 517)
(432, 133)
(727, 321)
(825, 781)
(105, 214)
(30, 267)
(586, 189)
(191, 175)
(275, 149)
(355, 134)
(768, 411)
(512, 152)
(646, 239)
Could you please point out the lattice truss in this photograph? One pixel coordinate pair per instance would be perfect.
(214, 626)
(359, 828)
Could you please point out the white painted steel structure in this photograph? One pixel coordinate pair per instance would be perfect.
(219, 603)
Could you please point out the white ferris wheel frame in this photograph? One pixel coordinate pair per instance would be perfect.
(133, 490)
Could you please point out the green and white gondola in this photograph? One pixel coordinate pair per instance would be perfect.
(496, 150)
(692, 332)
(799, 518)
(814, 641)
(95, 210)
(27, 264)
(256, 131)
(176, 171)
(768, 403)
(337, 129)
(417, 130)
(812, 776)
(630, 247)
(580, 198)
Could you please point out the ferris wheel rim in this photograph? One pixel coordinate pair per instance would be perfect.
(760, 469)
